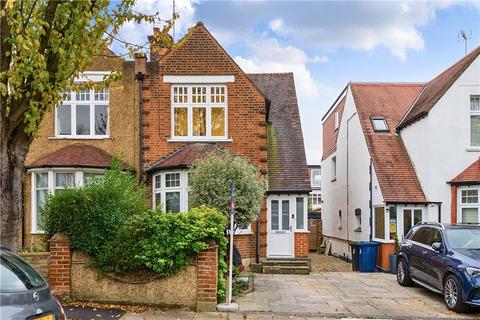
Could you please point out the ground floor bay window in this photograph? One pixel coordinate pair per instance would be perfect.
(395, 221)
(170, 191)
(51, 181)
(468, 204)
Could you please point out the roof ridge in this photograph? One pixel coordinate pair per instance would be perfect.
(386, 83)
(268, 73)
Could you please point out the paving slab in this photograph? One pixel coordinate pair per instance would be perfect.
(344, 294)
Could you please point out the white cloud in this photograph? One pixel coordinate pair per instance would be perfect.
(276, 24)
(269, 55)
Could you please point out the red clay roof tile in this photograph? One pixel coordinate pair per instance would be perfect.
(468, 176)
(395, 172)
(183, 157)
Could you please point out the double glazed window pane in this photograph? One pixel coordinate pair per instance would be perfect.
(218, 122)
(475, 130)
(469, 215)
(172, 180)
(199, 94)
(285, 215)
(172, 201)
(64, 180)
(181, 122)
(199, 121)
(380, 222)
(64, 120)
(83, 119)
(300, 217)
(101, 119)
(470, 196)
(275, 216)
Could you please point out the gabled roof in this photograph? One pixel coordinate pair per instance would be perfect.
(471, 175)
(75, 155)
(395, 172)
(437, 87)
(183, 157)
(287, 165)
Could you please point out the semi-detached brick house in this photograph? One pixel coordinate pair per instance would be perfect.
(197, 99)
(395, 154)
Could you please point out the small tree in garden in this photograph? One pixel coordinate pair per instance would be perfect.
(210, 182)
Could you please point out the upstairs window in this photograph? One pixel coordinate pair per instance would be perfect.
(334, 168)
(199, 112)
(316, 178)
(379, 124)
(337, 120)
(83, 114)
(475, 121)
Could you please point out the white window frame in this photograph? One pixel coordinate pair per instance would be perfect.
(320, 174)
(208, 105)
(399, 222)
(461, 205)
(163, 190)
(472, 113)
(79, 182)
(337, 120)
(375, 128)
(73, 103)
(386, 221)
(316, 196)
(292, 211)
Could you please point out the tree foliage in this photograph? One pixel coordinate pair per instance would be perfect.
(210, 183)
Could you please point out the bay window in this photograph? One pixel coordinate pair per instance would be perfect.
(170, 191)
(468, 205)
(83, 114)
(53, 181)
(199, 112)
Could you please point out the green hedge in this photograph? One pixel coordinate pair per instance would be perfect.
(109, 220)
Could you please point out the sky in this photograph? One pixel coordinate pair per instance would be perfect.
(326, 44)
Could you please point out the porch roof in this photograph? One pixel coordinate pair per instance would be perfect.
(471, 175)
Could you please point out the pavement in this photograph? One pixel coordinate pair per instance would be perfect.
(344, 294)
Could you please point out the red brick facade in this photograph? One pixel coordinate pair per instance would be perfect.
(301, 244)
(207, 274)
(60, 265)
(200, 54)
(330, 133)
(454, 204)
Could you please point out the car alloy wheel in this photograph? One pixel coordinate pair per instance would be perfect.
(451, 293)
(401, 272)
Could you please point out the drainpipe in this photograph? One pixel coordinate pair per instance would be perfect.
(140, 76)
(370, 204)
(257, 242)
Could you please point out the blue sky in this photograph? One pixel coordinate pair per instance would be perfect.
(328, 43)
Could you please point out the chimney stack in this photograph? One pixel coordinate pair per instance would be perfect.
(159, 46)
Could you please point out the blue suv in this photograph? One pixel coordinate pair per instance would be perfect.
(444, 259)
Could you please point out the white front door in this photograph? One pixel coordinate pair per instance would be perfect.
(280, 227)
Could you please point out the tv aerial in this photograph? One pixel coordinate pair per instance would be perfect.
(462, 35)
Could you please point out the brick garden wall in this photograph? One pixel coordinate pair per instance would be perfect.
(301, 245)
(194, 287)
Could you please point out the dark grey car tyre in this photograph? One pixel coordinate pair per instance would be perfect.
(452, 294)
(403, 276)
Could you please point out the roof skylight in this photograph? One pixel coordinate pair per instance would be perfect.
(379, 124)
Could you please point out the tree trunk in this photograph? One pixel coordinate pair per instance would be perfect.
(13, 151)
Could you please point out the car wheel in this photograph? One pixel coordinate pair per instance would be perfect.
(403, 276)
(452, 294)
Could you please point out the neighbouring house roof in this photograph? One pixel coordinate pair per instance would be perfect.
(395, 172)
(471, 175)
(330, 134)
(75, 155)
(183, 157)
(437, 87)
(287, 165)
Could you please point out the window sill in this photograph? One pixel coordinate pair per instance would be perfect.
(202, 139)
(80, 138)
(246, 233)
(37, 232)
(301, 231)
(472, 149)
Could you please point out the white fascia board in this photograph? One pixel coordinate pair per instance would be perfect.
(95, 76)
(198, 79)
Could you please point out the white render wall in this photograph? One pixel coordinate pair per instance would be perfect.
(356, 172)
(439, 144)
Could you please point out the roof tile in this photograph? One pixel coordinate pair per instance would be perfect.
(468, 176)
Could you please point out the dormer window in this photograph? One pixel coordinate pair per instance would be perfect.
(199, 112)
(379, 124)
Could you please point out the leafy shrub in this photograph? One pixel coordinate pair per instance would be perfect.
(90, 216)
(166, 242)
(210, 182)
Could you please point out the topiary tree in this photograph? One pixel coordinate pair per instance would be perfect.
(210, 182)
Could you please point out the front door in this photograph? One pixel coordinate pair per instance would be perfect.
(280, 234)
